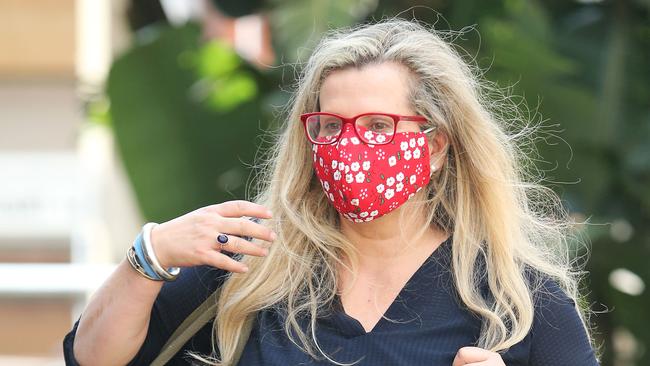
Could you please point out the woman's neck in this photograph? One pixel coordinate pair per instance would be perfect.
(380, 243)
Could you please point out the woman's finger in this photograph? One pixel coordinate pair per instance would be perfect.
(236, 244)
(219, 260)
(238, 208)
(243, 227)
(469, 355)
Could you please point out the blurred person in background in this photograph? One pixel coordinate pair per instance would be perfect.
(399, 227)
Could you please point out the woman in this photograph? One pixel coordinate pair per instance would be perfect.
(398, 229)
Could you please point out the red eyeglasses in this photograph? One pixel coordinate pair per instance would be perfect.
(378, 128)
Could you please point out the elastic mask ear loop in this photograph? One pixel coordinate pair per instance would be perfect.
(433, 166)
(433, 169)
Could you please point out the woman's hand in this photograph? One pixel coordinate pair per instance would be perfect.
(190, 240)
(475, 356)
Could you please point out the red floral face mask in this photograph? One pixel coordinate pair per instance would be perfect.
(365, 181)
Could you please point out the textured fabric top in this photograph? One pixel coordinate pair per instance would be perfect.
(425, 325)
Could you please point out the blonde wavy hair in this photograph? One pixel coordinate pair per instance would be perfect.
(488, 197)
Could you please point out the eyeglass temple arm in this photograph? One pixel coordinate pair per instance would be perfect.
(417, 119)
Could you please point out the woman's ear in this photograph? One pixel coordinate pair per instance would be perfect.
(438, 146)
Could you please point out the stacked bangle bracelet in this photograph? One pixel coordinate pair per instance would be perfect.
(143, 259)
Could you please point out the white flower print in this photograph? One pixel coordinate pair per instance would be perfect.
(326, 185)
(334, 164)
(368, 135)
(354, 202)
(381, 138)
(420, 141)
(366, 165)
(331, 197)
(412, 179)
(354, 140)
(392, 161)
(320, 161)
(337, 175)
(341, 165)
(411, 195)
(347, 168)
(354, 166)
(374, 213)
(399, 176)
(407, 155)
(363, 214)
(404, 146)
(416, 154)
(360, 177)
(349, 178)
(399, 186)
(390, 181)
(344, 141)
(352, 214)
(314, 158)
(358, 220)
(380, 188)
(412, 142)
(363, 193)
(389, 193)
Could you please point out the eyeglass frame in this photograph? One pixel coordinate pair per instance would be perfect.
(353, 120)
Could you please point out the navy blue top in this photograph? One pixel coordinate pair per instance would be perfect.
(427, 326)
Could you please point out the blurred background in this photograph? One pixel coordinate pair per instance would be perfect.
(114, 113)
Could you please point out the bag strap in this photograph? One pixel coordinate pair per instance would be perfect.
(193, 323)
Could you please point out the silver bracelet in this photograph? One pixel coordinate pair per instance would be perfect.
(133, 261)
(149, 255)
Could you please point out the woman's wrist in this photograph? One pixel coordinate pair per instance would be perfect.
(144, 259)
(169, 274)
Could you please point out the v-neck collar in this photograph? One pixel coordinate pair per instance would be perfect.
(352, 327)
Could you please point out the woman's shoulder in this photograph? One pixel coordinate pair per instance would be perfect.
(550, 299)
(558, 334)
(177, 299)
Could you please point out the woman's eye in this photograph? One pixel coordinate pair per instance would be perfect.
(379, 127)
(332, 126)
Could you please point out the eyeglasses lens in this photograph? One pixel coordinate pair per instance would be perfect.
(323, 128)
(375, 128)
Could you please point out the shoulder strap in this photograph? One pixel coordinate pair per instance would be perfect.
(192, 324)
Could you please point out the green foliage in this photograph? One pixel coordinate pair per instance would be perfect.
(187, 118)
(223, 84)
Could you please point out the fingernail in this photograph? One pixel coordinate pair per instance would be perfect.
(266, 252)
(273, 236)
(245, 269)
(269, 213)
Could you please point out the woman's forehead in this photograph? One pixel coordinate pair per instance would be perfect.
(374, 87)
